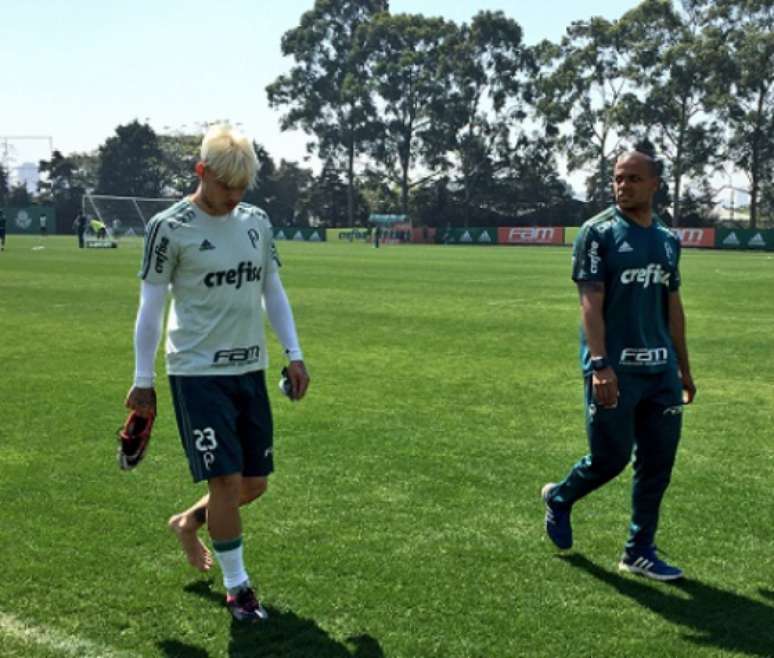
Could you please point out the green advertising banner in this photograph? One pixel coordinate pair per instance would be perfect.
(744, 239)
(299, 234)
(356, 234)
(482, 236)
(386, 220)
(30, 220)
(570, 233)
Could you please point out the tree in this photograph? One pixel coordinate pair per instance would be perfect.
(60, 186)
(533, 179)
(698, 205)
(86, 169)
(328, 199)
(403, 59)
(4, 186)
(767, 201)
(131, 162)
(586, 78)
(670, 68)
(262, 195)
(292, 186)
(282, 191)
(325, 93)
(19, 196)
(433, 204)
(741, 37)
(179, 155)
(486, 62)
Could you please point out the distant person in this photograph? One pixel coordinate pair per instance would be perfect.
(98, 228)
(2, 230)
(217, 257)
(634, 359)
(447, 233)
(116, 227)
(79, 225)
(43, 222)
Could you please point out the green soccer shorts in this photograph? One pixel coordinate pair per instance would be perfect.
(225, 424)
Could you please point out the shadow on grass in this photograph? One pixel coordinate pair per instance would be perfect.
(284, 635)
(718, 618)
(175, 649)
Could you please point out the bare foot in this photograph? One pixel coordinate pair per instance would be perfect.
(197, 553)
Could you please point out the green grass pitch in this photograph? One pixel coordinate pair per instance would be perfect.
(404, 518)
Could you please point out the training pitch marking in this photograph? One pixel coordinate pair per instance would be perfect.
(53, 640)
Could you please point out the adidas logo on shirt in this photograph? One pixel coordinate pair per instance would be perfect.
(206, 245)
(625, 248)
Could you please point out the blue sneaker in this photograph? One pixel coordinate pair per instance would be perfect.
(646, 563)
(558, 526)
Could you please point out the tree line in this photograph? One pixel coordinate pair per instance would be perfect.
(465, 124)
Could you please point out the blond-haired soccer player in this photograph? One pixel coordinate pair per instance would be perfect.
(216, 256)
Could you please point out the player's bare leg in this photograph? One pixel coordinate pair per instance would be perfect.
(185, 526)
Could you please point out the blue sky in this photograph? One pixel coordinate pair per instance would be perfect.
(76, 70)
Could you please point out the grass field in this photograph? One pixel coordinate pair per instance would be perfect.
(403, 519)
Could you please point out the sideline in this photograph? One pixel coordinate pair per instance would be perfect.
(51, 639)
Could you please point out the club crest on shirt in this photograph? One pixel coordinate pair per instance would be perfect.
(254, 237)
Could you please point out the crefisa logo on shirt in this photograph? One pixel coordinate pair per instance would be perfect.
(245, 272)
(652, 274)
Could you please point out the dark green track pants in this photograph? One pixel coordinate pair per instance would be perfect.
(646, 422)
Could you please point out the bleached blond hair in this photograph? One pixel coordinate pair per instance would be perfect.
(230, 155)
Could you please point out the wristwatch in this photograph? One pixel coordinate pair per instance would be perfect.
(599, 363)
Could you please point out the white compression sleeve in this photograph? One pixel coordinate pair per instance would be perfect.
(277, 306)
(147, 332)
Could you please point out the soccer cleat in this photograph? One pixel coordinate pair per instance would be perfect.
(133, 440)
(558, 526)
(244, 606)
(646, 563)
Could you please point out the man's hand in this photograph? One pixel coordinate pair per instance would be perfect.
(689, 388)
(299, 379)
(605, 387)
(141, 400)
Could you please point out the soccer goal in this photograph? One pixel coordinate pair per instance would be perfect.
(124, 216)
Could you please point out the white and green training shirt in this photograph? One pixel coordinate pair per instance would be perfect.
(216, 268)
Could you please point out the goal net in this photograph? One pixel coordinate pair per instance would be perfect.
(123, 216)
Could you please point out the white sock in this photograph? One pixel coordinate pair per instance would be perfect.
(229, 555)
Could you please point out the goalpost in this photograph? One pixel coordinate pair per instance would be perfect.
(123, 216)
